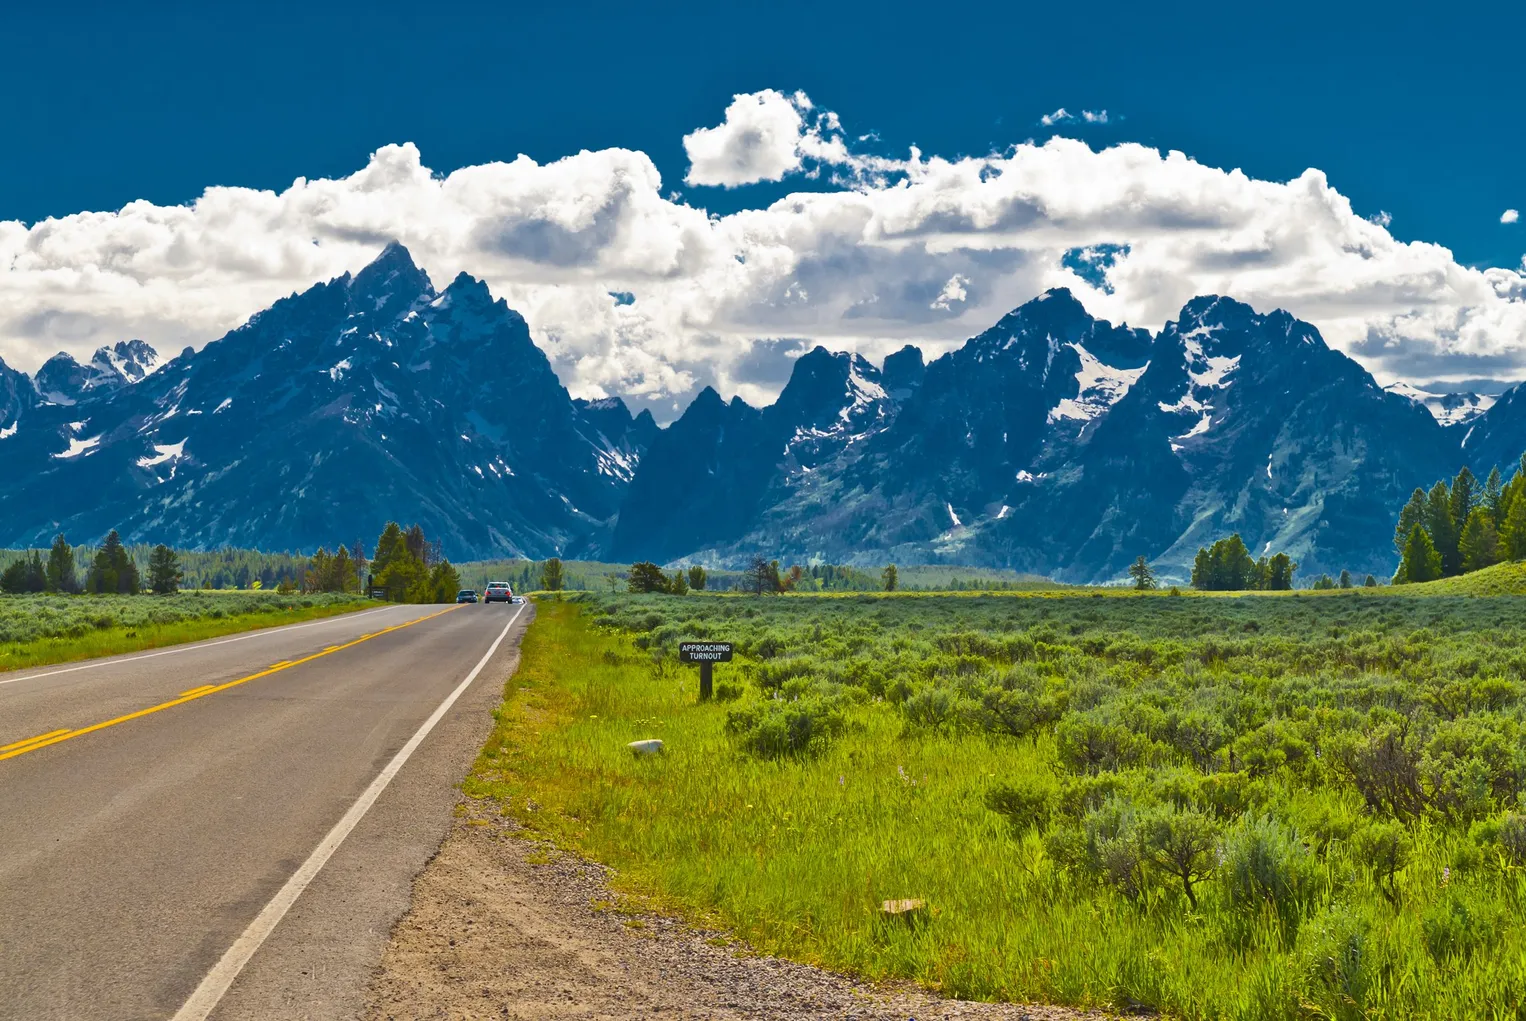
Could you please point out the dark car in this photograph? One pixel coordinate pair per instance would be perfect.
(498, 592)
(466, 595)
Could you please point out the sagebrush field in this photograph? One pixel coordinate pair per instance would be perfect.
(1260, 807)
(40, 629)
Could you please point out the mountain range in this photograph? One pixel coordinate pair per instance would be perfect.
(1054, 442)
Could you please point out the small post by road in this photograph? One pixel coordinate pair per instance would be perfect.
(706, 654)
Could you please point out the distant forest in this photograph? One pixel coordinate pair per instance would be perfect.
(252, 569)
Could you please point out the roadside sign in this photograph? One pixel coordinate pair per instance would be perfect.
(378, 593)
(706, 654)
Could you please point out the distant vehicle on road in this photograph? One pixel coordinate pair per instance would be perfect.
(498, 592)
(466, 595)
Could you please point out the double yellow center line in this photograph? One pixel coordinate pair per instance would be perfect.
(53, 737)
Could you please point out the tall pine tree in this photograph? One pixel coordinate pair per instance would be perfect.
(1411, 515)
(1479, 543)
(1420, 562)
(164, 572)
(61, 574)
(1442, 529)
(1465, 496)
(1513, 532)
(1493, 489)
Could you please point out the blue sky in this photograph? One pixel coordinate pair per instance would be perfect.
(1409, 113)
(1415, 110)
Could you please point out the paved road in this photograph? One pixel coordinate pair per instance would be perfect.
(135, 855)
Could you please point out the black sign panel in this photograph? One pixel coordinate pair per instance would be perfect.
(704, 652)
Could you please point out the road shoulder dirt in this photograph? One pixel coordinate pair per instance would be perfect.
(502, 927)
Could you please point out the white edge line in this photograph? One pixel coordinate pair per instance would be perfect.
(212, 988)
(191, 646)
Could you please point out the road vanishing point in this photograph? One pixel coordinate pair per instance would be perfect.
(229, 829)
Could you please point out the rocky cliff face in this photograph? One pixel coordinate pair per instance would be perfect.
(358, 400)
(1062, 444)
(1053, 442)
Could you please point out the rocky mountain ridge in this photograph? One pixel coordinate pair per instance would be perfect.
(1054, 442)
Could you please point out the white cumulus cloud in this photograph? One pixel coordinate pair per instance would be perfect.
(927, 250)
(1510, 216)
(1063, 116)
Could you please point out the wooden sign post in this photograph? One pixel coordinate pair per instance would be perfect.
(706, 654)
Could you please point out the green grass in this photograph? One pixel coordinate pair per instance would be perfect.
(1007, 758)
(40, 630)
(1499, 580)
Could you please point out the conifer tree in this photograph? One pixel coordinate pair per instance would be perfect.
(60, 571)
(679, 583)
(1442, 529)
(1412, 514)
(1142, 573)
(25, 575)
(113, 570)
(444, 582)
(1371, 582)
(551, 575)
(164, 572)
(417, 545)
(697, 578)
(1202, 570)
(1479, 543)
(891, 577)
(1464, 496)
(1279, 575)
(389, 546)
(646, 576)
(1493, 490)
(1345, 581)
(1513, 533)
(1420, 562)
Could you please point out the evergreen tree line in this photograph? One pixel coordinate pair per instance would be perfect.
(111, 570)
(1227, 566)
(1462, 527)
(406, 568)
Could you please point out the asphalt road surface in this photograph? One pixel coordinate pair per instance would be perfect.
(230, 829)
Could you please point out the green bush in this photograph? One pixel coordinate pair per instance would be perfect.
(1335, 950)
(1266, 866)
(773, 728)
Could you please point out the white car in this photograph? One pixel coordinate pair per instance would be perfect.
(498, 592)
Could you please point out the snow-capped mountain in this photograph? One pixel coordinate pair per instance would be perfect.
(356, 401)
(1448, 408)
(1059, 443)
(1054, 442)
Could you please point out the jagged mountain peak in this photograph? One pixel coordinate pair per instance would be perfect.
(389, 280)
(132, 360)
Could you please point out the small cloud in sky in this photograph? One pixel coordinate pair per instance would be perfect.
(1064, 116)
(956, 290)
(1382, 218)
(1510, 216)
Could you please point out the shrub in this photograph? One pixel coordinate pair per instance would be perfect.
(1026, 801)
(1334, 951)
(1265, 864)
(1511, 837)
(1452, 928)
(1182, 844)
(1385, 848)
(774, 728)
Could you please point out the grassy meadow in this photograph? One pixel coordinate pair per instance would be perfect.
(36, 630)
(1298, 806)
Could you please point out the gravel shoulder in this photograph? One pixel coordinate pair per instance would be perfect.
(502, 927)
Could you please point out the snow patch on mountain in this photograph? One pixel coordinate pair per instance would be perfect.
(1101, 386)
(162, 453)
(79, 447)
(1446, 408)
